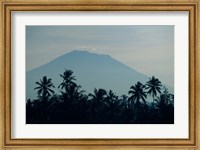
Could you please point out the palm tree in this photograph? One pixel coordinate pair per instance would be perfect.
(112, 101)
(165, 108)
(153, 86)
(137, 92)
(44, 87)
(98, 96)
(111, 96)
(44, 90)
(74, 94)
(97, 105)
(68, 79)
(124, 97)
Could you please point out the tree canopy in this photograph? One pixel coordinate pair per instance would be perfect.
(74, 106)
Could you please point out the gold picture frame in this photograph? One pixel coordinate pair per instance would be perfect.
(192, 6)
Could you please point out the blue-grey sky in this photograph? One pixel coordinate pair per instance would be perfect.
(148, 49)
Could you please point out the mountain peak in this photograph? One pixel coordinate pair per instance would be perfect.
(86, 52)
(78, 51)
(92, 70)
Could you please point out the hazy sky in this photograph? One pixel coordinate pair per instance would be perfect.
(148, 49)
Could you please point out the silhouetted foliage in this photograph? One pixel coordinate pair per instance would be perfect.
(153, 86)
(137, 92)
(44, 88)
(68, 80)
(74, 106)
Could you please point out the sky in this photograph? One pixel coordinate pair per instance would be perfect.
(149, 49)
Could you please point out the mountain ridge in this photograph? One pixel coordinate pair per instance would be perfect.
(81, 51)
(91, 71)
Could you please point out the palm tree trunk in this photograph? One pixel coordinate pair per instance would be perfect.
(153, 98)
(129, 103)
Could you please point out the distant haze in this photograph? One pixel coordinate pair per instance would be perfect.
(148, 49)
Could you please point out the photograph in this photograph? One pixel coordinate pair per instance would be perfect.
(99, 74)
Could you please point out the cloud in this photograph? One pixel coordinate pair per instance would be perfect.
(86, 48)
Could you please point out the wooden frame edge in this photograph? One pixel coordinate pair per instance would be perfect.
(192, 143)
(1, 77)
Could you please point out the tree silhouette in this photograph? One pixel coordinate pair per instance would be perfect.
(111, 96)
(69, 102)
(44, 91)
(44, 88)
(74, 106)
(69, 98)
(165, 107)
(68, 80)
(153, 86)
(29, 111)
(98, 96)
(97, 105)
(114, 107)
(137, 92)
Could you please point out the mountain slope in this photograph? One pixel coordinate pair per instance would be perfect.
(91, 71)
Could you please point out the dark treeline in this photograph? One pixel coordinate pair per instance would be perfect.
(73, 106)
